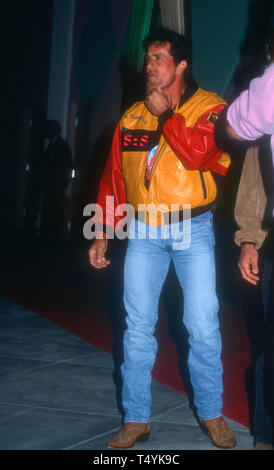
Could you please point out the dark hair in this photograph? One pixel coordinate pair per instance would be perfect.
(179, 47)
(53, 127)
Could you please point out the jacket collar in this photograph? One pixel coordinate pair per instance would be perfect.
(189, 92)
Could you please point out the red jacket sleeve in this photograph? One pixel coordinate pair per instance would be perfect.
(112, 182)
(195, 146)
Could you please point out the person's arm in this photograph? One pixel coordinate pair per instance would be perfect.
(249, 211)
(111, 184)
(196, 147)
(252, 114)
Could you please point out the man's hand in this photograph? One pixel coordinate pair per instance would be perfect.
(156, 101)
(248, 263)
(97, 254)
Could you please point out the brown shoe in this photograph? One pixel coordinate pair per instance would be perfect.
(129, 435)
(262, 446)
(219, 432)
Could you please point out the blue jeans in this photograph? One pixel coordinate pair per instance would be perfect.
(146, 266)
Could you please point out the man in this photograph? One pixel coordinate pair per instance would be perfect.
(164, 153)
(249, 214)
(250, 117)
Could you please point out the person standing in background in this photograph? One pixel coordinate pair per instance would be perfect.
(55, 175)
(250, 117)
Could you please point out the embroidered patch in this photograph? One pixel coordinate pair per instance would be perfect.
(137, 140)
(213, 118)
(150, 162)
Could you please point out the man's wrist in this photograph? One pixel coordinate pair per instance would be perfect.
(248, 242)
(100, 236)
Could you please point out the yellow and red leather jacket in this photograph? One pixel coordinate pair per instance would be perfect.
(185, 158)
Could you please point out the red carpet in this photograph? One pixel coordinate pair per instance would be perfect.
(84, 315)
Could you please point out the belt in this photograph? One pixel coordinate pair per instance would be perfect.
(168, 216)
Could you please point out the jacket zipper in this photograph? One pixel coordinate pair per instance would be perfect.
(203, 184)
(156, 155)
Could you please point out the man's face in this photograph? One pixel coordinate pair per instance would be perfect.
(160, 66)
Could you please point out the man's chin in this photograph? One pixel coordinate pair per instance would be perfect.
(152, 84)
